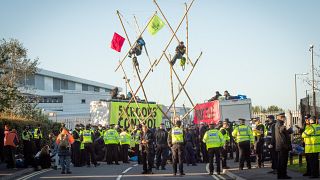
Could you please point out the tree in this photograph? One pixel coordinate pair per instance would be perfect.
(261, 109)
(274, 108)
(14, 66)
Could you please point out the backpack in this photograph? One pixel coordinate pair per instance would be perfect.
(64, 142)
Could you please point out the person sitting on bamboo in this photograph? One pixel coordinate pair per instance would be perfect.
(180, 51)
(137, 49)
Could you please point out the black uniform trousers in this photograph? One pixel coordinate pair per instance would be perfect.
(177, 157)
(244, 153)
(282, 163)
(314, 164)
(274, 158)
(211, 153)
(10, 156)
(76, 155)
(38, 144)
(88, 148)
(124, 152)
(146, 157)
(28, 153)
(259, 151)
(190, 154)
(161, 155)
(112, 153)
(224, 155)
(308, 163)
(204, 152)
(137, 152)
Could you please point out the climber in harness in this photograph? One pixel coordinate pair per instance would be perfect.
(136, 51)
(180, 51)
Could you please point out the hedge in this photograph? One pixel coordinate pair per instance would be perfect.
(19, 124)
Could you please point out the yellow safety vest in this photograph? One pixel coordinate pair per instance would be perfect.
(258, 133)
(35, 134)
(177, 135)
(124, 138)
(213, 138)
(111, 137)
(27, 137)
(311, 137)
(137, 136)
(87, 136)
(243, 133)
(226, 135)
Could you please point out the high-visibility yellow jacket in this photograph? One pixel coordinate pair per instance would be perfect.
(36, 134)
(124, 138)
(258, 133)
(86, 136)
(26, 135)
(243, 133)
(177, 135)
(111, 136)
(226, 135)
(137, 137)
(311, 137)
(213, 138)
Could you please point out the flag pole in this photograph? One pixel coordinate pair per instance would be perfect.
(131, 47)
(187, 31)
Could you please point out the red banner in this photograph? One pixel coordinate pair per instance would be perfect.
(207, 112)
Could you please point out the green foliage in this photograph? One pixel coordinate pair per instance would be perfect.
(260, 109)
(19, 124)
(14, 67)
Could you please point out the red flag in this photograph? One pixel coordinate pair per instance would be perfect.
(117, 42)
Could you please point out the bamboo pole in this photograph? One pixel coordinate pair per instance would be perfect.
(171, 67)
(188, 113)
(131, 47)
(187, 31)
(164, 114)
(145, 77)
(174, 32)
(185, 80)
(172, 94)
(137, 72)
(145, 48)
(131, 90)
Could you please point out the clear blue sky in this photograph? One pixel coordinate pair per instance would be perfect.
(249, 47)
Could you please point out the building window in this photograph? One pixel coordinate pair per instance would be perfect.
(84, 87)
(56, 84)
(96, 89)
(83, 101)
(71, 85)
(64, 84)
(90, 88)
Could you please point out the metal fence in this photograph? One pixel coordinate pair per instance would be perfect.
(293, 117)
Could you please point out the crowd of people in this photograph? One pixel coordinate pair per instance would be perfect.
(154, 148)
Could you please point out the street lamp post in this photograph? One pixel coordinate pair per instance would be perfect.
(295, 87)
(313, 83)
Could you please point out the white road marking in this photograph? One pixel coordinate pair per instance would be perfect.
(215, 177)
(34, 174)
(125, 171)
(136, 165)
(119, 177)
(221, 177)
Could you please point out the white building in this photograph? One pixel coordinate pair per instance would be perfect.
(65, 98)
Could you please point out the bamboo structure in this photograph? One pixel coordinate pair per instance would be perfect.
(156, 62)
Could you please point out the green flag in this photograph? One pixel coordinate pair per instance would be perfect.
(155, 25)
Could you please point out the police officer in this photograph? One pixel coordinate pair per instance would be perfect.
(274, 156)
(203, 129)
(111, 139)
(283, 146)
(190, 144)
(259, 132)
(311, 137)
(224, 150)
(27, 146)
(161, 137)
(37, 135)
(176, 142)
(125, 138)
(214, 141)
(87, 139)
(147, 140)
(244, 138)
(136, 135)
(76, 156)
